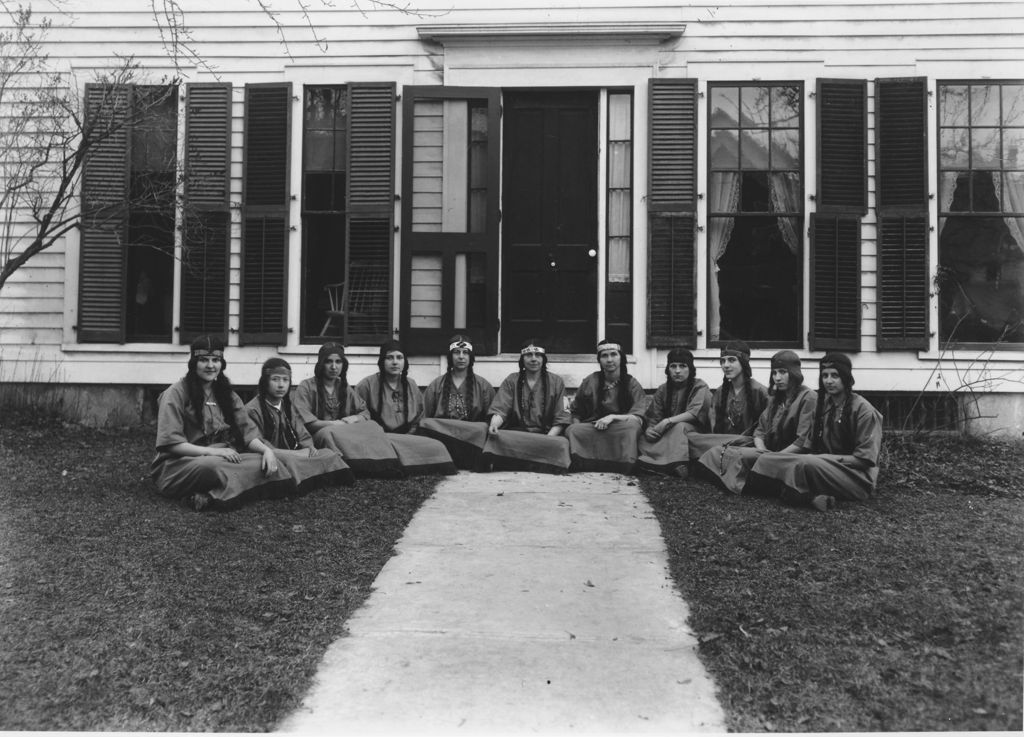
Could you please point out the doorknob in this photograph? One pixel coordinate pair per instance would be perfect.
(592, 252)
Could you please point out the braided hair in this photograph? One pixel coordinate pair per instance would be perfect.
(448, 385)
(289, 436)
(326, 351)
(521, 386)
(223, 393)
(622, 398)
(841, 363)
(679, 354)
(741, 351)
(391, 346)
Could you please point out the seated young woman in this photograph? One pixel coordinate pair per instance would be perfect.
(455, 406)
(679, 407)
(607, 416)
(337, 418)
(785, 426)
(279, 425)
(844, 446)
(736, 405)
(528, 416)
(207, 450)
(395, 403)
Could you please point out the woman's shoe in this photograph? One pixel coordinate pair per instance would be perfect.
(199, 501)
(823, 502)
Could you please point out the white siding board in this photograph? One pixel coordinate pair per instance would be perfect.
(791, 40)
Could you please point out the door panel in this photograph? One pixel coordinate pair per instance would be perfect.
(550, 220)
(450, 215)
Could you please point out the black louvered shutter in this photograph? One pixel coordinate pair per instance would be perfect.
(206, 217)
(265, 227)
(671, 212)
(101, 294)
(836, 226)
(371, 206)
(835, 282)
(902, 204)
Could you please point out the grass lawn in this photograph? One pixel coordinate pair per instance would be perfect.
(123, 611)
(905, 613)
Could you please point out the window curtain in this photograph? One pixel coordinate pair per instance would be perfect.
(784, 189)
(1015, 203)
(724, 197)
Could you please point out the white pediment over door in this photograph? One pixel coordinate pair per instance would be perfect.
(586, 53)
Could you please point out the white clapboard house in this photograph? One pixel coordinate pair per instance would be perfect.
(798, 174)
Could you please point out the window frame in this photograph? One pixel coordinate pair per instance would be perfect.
(970, 345)
(802, 216)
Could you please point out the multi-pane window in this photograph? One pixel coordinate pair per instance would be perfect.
(981, 212)
(150, 249)
(324, 182)
(619, 290)
(128, 204)
(347, 211)
(755, 212)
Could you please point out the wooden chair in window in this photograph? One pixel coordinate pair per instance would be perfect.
(337, 306)
(362, 295)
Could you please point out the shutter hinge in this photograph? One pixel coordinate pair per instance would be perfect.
(499, 214)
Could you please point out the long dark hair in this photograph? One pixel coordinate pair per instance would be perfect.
(326, 351)
(223, 394)
(622, 397)
(389, 347)
(741, 351)
(448, 385)
(843, 366)
(679, 355)
(521, 406)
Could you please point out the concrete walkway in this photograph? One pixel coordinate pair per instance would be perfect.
(519, 602)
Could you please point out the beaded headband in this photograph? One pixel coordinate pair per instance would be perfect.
(465, 344)
(277, 371)
(531, 349)
(205, 352)
(609, 347)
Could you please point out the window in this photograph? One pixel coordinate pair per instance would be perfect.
(324, 184)
(449, 247)
(347, 199)
(128, 206)
(981, 212)
(619, 292)
(755, 212)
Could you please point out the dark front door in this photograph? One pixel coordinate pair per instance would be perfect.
(549, 220)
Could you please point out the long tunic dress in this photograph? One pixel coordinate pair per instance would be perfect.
(399, 414)
(735, 426)
(781, 424)
(181, 476)
(311, 467)
(458, 419)
(523, 443)
(844, 459)
(672, 449)
(363, 444)
(613, 449)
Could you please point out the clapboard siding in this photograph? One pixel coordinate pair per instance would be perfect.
(799, 40)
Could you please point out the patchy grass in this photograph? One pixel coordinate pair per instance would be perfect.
(120, 610)
(905, 613)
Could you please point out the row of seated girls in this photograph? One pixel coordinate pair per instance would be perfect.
(213, 450)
